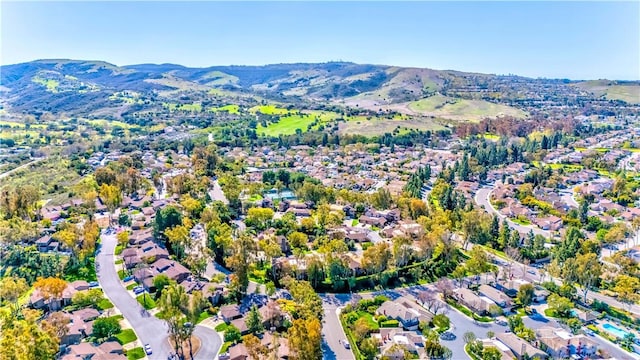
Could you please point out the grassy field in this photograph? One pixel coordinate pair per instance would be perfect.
(612, 91)
(50, 84)
(461, 109)
(627, 93)
(220, 78)
(110, 123)
(287, 125)
(44, 175)
(231, 109)
(195, 107)
(269, 110)
(379, 126)
(11, 124)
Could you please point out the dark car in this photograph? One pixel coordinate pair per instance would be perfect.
(447, 335)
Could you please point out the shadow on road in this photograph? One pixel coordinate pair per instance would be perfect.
(327, 353)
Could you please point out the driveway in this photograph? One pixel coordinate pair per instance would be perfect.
(150, 330)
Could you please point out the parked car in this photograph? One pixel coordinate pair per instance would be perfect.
(128, 278)
(138, 290)
(147, 349)
(447, 335)
(346, 344)
(93, 284)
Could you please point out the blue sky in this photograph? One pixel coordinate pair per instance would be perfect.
(577, 40)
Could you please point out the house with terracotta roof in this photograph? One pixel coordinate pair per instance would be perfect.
(560, 344)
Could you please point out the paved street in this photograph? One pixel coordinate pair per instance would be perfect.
(332, 332)
(149, 329)
(216, 193)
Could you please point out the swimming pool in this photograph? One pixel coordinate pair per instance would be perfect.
(615, 330)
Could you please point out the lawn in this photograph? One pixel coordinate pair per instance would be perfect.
(126, 336)
(255, 197)
(222, 327)
(354, 222)
(131, 286)
(122, 274)
(118, 249)
(203, 316)
(372, 323)
(225, 347)
(146, 300)
(136, 353)
(104, 304)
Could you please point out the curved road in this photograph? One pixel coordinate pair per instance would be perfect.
(150, 330)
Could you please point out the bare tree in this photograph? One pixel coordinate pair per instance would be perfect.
(445, 287)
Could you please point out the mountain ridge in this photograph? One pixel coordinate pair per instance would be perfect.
(48, 84)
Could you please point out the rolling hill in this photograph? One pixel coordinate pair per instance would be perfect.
(76, 87)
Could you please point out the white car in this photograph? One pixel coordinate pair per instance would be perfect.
(147, 349)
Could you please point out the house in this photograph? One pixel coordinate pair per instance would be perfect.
(230, 312)
(270, 342)
(559, 343)
(497, 296)
(46, 244)
(512, 286)
(408, 340)
(110, 350)
(174, 271)
(519, 347)
(408, 314)
(354, 233)
(80, 285)
(299, 212)
(373, 221)
(241, 325)
(471, 300)
(86, 314)
(38, 301)
(139, 237)
(552, 223)
(586, 317)
(238, 352)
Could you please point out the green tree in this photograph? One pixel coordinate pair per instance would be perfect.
(254, 321)
(525, 295)
(232, 334)
(560, 305)
(491, 353)
(160, 282)
(104, 328)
